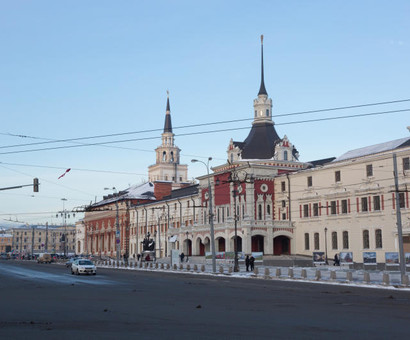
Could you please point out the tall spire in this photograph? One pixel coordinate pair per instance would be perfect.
(262, 89)
(168, 124)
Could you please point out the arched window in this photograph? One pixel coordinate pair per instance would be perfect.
(231, 157)
(345, 240)
(379, 240)
(366, 243)
(307, 246)
(334, 240)
(317, 245)
(172, 156)
(268, 209)
(259, 211)
(285, 155)
(267, 112)
(164, 156)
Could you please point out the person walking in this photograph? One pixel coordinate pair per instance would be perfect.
(252, 262)
(247, 262)
(336, 260)
(182, 257)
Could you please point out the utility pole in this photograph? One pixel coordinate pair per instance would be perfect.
(398, 217)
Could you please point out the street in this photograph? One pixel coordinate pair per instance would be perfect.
(45, 300)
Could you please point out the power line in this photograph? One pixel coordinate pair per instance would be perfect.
(204, 132)
(48, 140)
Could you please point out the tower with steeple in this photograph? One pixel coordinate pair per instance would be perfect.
(263, 141)
(167, 167)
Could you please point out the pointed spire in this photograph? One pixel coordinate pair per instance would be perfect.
(262, 89)
(168, 124)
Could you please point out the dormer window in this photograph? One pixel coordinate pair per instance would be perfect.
(285, 155)
(267, 112)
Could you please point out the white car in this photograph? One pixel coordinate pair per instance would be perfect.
(83, 266)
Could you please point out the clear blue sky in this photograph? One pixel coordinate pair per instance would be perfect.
(72, 69)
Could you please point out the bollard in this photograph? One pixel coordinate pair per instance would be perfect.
(188, 267)
(181, 266)
(162, 266)
(175, 266)
(156, 265)
(140, 264)
(267, 273)
(405, 280)
(366, 277)
(230, 270)
(195, 268)
(349, 276)
(118, 264)
(303, 274)
(290, 272)
(333, 275)
(168, 266)
(256, 271)
(146, 264)
(150, 265)
(203, 268)
(386, 279)
(278, 272)
(317, 275)
(221, 269)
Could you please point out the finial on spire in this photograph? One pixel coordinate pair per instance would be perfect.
(167, 93)
(262, 89)
(168, 109)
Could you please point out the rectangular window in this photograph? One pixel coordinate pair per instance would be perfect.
(305, 210)
(334, 240)
(333, 208)
(315, 209)
(364, 204)
(317, 241)
(376, 203)
(309, 181)
(307, 246)
(369, 170)
(379, 240)
(283, 204)
(344, 206)
(406, 163)
(283, 186)
(337, 176)
(401, 199)
(283, 216)
(345, 240)
(366, 243)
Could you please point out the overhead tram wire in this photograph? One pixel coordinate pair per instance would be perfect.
(202, 132)
(49, 141)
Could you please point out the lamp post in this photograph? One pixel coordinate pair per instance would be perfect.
(117, 225)
(211, 215)
(187, 247)
(65, 227)
(326, 245)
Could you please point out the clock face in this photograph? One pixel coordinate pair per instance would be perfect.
(264, 187)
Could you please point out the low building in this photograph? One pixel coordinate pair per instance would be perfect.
(349, 204)
(6, 241)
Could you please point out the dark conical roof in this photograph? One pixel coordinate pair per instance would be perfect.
(262, 89)
(168, 124)
(261, 142)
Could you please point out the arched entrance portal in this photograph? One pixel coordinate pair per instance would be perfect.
(239, 240)
(281, 245)
(220, 244)
(257, 243)
(200, 247)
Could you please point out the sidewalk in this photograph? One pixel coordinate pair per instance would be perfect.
(323, 274)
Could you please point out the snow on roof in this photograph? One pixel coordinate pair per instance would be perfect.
(139, 191)
(373, 149)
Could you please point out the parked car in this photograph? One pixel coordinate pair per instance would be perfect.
(4, 256)
(44, 258)
(83, 266)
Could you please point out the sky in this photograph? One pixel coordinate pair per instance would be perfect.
(76, 69)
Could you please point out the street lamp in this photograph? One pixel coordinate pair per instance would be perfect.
(117, 225)
(211, 215)
(326, 245)
(65, 227)
(187, 247)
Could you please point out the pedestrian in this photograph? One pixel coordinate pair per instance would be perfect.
(252, 262)
(336, 260)
(182, 257)
(138, 257)
(247, 262)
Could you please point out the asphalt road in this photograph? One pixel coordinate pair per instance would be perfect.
(46, 301)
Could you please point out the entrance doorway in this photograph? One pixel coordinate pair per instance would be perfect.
(281, 245)
(257, 243)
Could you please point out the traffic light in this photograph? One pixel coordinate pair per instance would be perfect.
(35, 184)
